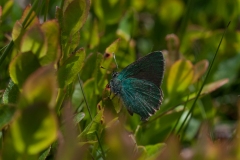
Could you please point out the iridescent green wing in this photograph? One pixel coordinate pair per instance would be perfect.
(141, 97)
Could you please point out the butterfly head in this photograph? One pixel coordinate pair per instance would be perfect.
(114, 74)
(115, 83)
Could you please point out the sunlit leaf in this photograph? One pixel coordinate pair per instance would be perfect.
(22, 67)
(113, 47)
(34, 129)
(154, 150)
(71, 67)
(19, 30)
(180, 76)
(32, 19)
(51, 32)
(34, 40)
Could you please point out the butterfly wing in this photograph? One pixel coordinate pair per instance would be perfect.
(141, 97)
(150, 68)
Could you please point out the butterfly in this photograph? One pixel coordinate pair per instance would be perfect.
(138, 85)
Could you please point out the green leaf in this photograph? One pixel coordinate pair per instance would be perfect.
(126, 25)
(94, 126)
(75, 16)
(51, 34)
(228, 68)
(154, 150)
(44, 155)
(6, 9)
(109, 11)
(44, 92)
(180, 76)
(70, 46)
(34, 40)
(113, 47)
(213, 86)
(78, 117)
(22, 67)
(11, 93)
(90, 66)
(208, 88)
(71, 67)
(171, 12)
(19, 30)
(159, 127)
(6, 115)
(94, 41)
(34, 129)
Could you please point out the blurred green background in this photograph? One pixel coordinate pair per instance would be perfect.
(53, 46)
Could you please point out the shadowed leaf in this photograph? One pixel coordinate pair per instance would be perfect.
(44, 91)
(199, 69)
(22, 67)
(71, 67)
(6, 115)
(33, 40)
(11, 93)
(34, 129)
(180, 76)
(75, 16)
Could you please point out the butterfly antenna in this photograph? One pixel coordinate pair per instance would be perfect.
(114, 57)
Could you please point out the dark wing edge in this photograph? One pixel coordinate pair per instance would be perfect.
(150, 67)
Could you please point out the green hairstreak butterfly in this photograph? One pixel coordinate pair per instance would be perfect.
(138, 85)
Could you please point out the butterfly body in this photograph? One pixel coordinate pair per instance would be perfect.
(138, 85)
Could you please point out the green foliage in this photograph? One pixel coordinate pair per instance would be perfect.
(56, 62)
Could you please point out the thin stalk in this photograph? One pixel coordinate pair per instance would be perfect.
(46, 10)
(90, 114)
(29, 14)
(175, 126)
(204, 81)
(6, 52)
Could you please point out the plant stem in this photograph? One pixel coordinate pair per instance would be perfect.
(6, 52)
(204, 81)
(90, 116)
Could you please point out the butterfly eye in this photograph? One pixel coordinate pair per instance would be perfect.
(114, 74)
